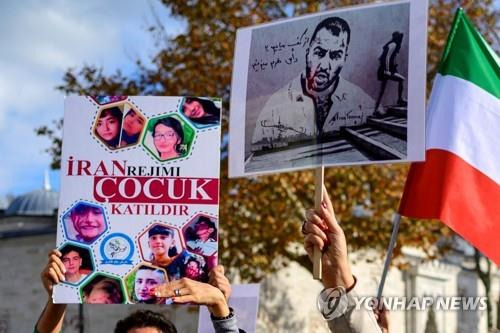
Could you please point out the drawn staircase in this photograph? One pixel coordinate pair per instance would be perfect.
(382, 138)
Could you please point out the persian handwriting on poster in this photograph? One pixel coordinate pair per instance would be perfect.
(139, 196)
(282, 53)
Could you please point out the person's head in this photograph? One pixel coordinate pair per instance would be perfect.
(327, 53)
(102, 290)
(161, 241)
(397, 37)
(195, 108)
(193, 268)
(146, 280)
(88, 221)
(205, 229)
(168, 137)
(108, 125)
(72, 260)
(142, 320)
(133, 123)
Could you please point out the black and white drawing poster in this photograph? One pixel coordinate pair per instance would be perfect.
(342, 87)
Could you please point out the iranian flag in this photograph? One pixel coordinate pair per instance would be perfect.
(459, 183)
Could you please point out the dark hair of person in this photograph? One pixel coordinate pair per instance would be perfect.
(110, 286)
(176, 126)
(335, 25)
(149, 268)
(397, 37)
(116, 113)
(212, 111)
(81, 252)
(145, 318)
(83, 208)
(161, 230)
(202, 268)
(192, 259)
(68, 248)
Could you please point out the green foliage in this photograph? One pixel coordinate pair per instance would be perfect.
(260, 217)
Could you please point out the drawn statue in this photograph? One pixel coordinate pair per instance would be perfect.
(388, 70)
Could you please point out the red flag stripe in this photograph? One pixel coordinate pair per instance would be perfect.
(451, 190)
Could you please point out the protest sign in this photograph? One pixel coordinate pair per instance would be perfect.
(139, 195)
(340, 87)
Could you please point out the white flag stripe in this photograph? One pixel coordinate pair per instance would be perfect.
(465, 120)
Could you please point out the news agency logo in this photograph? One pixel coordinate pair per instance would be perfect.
(332, 302)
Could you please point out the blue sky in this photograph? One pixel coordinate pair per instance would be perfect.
(39, 40)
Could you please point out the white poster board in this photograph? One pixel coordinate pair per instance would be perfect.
(244, 301)
(341, 87)
(139, 195)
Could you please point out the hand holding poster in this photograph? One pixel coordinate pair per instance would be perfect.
(340, 87)
(139, 196)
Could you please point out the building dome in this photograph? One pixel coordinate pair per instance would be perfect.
(42, 202)
(38, 202)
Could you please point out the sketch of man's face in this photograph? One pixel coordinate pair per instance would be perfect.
(325, 58)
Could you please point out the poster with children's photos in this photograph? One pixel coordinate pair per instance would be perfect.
(139, 196)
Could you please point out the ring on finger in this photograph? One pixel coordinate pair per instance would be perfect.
(177, 293)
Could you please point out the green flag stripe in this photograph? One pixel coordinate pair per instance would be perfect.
(468, 56)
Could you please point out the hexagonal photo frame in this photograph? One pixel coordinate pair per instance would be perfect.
(195, 267)
(108, 124)
(119, 125)
(201, 112)
(133, 125)
(159, 244)
(103, 288)
(168, 137)
(201, 235)
(141, 282)
(84, 222)
(78, 261)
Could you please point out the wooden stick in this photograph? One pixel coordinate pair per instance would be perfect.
(395, 227)
(318, 197)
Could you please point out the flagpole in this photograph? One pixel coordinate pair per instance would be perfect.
(395, 228)
(319, 177)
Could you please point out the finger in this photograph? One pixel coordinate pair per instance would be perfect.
(313, 217)
(162, 290)
(311, 241)
(54, 276)
(56, 252)
(217, 271)
(220, 269)
(167, 289)
(184, 299)
(221, 280)
(55, 259)
(57, 269)
(328, 213)
(311, 228)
